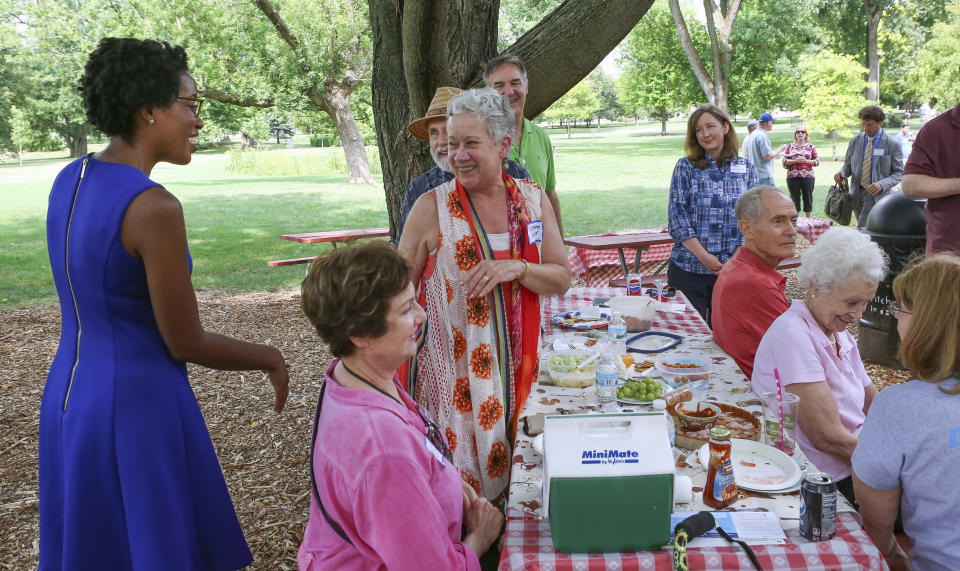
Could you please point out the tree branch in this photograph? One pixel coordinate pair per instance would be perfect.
(231, 99)
(699, 70)
(570, 43)
(710, 15)
(271, 13)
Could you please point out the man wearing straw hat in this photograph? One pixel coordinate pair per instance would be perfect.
(432, 127)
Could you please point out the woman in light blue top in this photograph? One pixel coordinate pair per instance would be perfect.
(909, 447)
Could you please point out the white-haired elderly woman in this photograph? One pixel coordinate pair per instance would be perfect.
(482, 248)
(817, 358)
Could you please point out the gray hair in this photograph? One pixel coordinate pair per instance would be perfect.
(752, 125)
(838, 255)
(500, 60)
(489, 105)
(749, 205)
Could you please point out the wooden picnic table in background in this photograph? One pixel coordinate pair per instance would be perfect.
(332, 236)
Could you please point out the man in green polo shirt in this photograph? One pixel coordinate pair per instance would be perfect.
(531, 145)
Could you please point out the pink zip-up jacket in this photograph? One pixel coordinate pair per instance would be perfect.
(395, 496)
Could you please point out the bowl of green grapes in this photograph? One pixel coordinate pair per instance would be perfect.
(640, 391)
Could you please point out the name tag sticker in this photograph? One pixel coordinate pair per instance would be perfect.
(738, 169)
(878, 152)
(535, 231)
(433, 449)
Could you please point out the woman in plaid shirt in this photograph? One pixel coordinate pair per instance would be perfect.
(703, 191)
(799, 158)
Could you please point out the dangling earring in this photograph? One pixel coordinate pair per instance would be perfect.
(151, 121)
(506, 165)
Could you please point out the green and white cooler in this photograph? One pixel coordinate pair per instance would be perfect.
(608, 481)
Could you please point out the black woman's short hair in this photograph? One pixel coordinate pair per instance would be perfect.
(124, 75)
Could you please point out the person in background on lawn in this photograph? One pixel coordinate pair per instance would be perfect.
(761, 152)
(905, 138)
(874, 163)
(530, 145)
(749, 294)
(381, 469)
(928, 110)
(703, 193)
(745, 145)
(799, 158)
(911, 437)
(432, 128)
(482, 249)
(933, 172)
(129, 478)
(817, 358)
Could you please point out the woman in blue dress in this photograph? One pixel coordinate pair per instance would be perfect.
(129, 478)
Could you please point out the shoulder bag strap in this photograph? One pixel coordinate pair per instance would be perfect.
(313, 477)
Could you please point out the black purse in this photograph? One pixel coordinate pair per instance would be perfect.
(839, 206)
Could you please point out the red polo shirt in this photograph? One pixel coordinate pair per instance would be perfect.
(936, 153)
(747, 298)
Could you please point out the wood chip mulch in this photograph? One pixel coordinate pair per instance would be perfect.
(264, 456)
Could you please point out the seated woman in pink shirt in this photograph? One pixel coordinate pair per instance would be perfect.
(385, 493)
(817, 358)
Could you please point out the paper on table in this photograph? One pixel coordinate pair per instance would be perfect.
(750, 526)
(589, 311)
(672, 307)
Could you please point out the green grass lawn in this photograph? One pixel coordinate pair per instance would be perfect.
(613, 180)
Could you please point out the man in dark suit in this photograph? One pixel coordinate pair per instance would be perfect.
(874, 163)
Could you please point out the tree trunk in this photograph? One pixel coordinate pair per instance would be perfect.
(76, 142)
(567, 122)
(833, 136)
(336, 101)
(720, 19)
(663, 121)
(872, 92)
(420, 45)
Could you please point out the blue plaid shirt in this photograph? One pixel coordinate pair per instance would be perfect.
(701, 206)
(434, 178)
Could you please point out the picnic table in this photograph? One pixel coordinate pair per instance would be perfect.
(595, 257)
(528, 543)
(333, 237)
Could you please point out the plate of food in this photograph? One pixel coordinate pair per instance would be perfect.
(577, 320)
(641, 391)
(758, 467)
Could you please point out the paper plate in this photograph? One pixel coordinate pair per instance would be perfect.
(567, 319)
(758, 467)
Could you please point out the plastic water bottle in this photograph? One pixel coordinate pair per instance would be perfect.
(617, 330)
(607, 383)
(661, 406)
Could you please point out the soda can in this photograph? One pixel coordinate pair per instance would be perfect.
(818, 507)
(634, 285)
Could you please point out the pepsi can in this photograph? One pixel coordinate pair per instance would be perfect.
(634, 285)
(818, 507)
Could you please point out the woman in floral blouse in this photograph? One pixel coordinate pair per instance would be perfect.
(799, 158)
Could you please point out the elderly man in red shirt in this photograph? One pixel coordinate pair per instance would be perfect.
(749, 294)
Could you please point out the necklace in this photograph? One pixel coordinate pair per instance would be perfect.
(433, 430)
(371, 385)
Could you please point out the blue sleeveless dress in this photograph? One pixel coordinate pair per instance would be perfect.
(129, 478)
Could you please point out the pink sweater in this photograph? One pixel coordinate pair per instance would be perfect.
(397, 499)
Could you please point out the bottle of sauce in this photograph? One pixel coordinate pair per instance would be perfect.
(721, 489)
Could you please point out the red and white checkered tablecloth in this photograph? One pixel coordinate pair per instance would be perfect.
(689, 323)
(528, 545)
(812, 228)
(598, 267)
